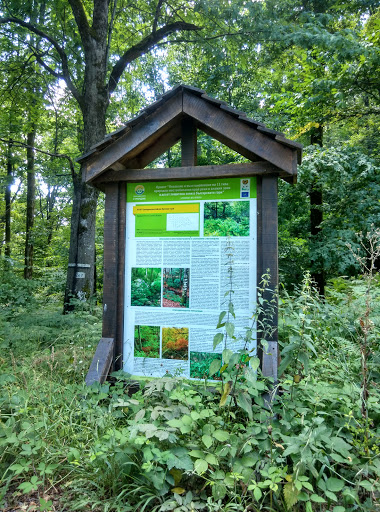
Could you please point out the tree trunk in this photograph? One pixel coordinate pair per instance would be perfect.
(185, 286)
(8, 186)
(30, 204)
(316, 216)
(80, 283)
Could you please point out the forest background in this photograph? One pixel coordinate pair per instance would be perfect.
(308, 69)
(73, 70)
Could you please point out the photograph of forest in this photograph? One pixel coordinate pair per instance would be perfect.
(146, 287)
(176, 287)
(147, 341)
(200, 365)
(226, 218)
(175, 343)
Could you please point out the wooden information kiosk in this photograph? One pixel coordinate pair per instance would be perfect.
(166, 231)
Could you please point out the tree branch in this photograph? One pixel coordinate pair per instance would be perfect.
(110, 29)
(45, 66)
(57, 47)
(20, 144)
(156, 15)
(81, 21)
(143, 47)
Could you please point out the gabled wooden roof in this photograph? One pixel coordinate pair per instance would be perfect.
(158, 127)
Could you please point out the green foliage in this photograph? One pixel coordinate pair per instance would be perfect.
(175, 343)
(200, 365)
(226, 219)
(176, 287)
(146, 287)
(350, 181)
(147, 341)
(179, 445)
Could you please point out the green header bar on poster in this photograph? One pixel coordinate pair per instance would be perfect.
(190, 190)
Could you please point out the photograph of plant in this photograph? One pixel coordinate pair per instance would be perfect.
(147, 341)
(175, 343)
(146, 287)
(176, 287)
(200, 364)
(226, 218)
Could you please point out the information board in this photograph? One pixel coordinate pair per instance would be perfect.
(188, 243)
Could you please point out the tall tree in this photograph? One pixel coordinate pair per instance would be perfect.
(89, 47)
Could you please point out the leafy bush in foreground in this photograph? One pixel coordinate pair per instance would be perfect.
(181, 446)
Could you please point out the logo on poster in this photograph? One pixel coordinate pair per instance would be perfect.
(139, 190)
(244, 187)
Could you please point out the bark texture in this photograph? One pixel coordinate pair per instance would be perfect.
(8, 202)
(30, 204)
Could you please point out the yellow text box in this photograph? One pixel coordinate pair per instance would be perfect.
(166, 208)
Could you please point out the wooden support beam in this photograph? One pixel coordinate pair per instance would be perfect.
(137, 139)
(239, 136)
(113, 269)
(111, 256)
(101, 362)
(267, 260)
(118, 351)
(188, 142)
(189, 173)
(156, 149)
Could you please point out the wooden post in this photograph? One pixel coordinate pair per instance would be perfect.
(189, 142)
(113, 280)
(267, 260)
(118, 360)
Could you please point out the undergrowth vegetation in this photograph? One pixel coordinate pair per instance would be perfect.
(176, 445)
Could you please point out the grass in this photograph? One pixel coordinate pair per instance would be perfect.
(65, 447)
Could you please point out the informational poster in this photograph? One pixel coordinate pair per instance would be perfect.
(188, 244)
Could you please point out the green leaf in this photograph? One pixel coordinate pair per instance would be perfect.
(186, 420)
(197, 453)
(207, 440)
(339, 508)
(331, 496)
(317, 499)
(226, 391)
(340, 446)
(250, 459)
(200, 466)
(211, 459)
(254, 363)
(334, 484)
(185, 429)
(219, 491)
(244, 401)
(367, 485)
(290, 494)
(218, 338)
(220, 320)
(221, 435)
(230, 329)
(285, 363)
(257, 493)
(175, 423)
(226, 355)
(215, 366)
